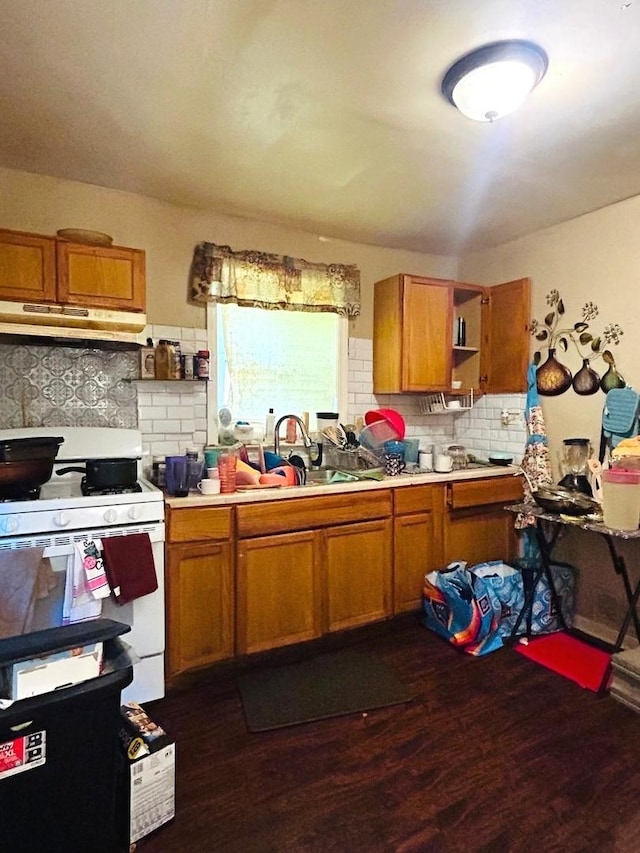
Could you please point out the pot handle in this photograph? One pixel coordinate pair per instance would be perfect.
(71, 468)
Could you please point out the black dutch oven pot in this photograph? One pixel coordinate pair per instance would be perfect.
(107, 473)
(26, 463)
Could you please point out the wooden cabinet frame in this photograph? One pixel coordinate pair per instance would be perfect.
(413, 336)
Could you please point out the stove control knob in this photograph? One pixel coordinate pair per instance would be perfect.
(10, 525)
(110, 516)
(134, 512)
(61, 519)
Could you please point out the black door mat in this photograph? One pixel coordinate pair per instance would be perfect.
(329, 685)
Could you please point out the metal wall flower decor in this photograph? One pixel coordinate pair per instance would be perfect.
(552, 376)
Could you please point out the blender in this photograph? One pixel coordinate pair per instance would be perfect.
(575, 465)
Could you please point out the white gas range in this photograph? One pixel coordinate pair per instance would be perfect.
(62, 516)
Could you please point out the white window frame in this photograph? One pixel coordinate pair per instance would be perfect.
(212, 385)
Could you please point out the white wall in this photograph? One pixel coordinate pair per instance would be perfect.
(595, 258)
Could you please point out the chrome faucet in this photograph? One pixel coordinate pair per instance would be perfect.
(306, 439)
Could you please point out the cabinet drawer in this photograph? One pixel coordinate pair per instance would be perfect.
(493, 490)
(279, 516)
(415, 499)
(198, 524)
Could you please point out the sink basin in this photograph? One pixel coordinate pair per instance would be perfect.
(321, 477)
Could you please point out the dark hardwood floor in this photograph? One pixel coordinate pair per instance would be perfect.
(493, 754)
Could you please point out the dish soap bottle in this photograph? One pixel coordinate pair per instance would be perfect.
(269, 424)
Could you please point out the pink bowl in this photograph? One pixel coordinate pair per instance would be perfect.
(393, 418)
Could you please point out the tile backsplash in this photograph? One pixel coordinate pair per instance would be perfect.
(480, 430)
(67, 386)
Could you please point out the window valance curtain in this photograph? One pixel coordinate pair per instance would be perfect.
(261, 280)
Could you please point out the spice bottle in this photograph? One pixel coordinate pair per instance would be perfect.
(148, 361)
(176, 371)
(164, 362)
(292, 431)
(202, 364)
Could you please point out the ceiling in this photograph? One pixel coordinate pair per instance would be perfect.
(326, 115)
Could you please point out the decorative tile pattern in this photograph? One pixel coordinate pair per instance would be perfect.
(65, 386)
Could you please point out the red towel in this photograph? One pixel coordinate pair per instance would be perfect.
(130, 566)
(571, 657)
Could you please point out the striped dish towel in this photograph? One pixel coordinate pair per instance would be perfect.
(90, 555)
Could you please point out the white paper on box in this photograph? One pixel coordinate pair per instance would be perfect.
(152, 792)
(54, 671)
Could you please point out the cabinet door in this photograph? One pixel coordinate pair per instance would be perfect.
(412, 334)
(479, 534)
(414, 551)
(100, 277)
(278, 591)
(417, 541)
(476, 527)
(27, 267)
(200, 605)
(358, 573)
(505, 344)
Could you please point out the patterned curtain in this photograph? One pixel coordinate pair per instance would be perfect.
(278, 282)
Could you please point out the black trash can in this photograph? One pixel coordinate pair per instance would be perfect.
(58, 750)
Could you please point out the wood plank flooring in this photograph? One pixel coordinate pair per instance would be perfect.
(493, 754)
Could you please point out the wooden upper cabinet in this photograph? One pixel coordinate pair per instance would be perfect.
(101, 277)
(27, 267)
(505, 346)
(38, 269)
(412, 319)
(414, 348)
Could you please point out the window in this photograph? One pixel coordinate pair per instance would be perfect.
(290, 361)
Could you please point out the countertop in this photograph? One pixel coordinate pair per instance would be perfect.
(253, 495)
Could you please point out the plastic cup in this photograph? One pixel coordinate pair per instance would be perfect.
(621, 499)
(177, 476)
(211, 456)
(227, 464)
(411, 450)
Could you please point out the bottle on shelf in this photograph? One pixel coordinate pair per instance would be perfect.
(164, 361)
(202, 364)
(148, 360)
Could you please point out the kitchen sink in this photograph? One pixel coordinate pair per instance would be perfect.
(321, 477)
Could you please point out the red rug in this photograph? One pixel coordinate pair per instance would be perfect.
(571, 657)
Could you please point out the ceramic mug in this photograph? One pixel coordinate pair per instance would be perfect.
(394, 464)
(209, 487)
(443, 463)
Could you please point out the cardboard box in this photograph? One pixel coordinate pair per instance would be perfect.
(147, 786)
(55, 671)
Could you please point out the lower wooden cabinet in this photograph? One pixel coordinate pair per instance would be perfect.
(200, 605)
(359, 564)
(279, 591)
(251, 577)
(301, 583)
(200, 587)
(417, 542)
(476, 527)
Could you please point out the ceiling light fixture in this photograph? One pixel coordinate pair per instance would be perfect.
(495, 79)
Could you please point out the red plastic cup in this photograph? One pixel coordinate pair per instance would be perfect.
(227, 464)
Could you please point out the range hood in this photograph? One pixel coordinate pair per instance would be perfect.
(70, 323)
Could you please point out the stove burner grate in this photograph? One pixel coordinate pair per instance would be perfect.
(93, 491)
(10, 495)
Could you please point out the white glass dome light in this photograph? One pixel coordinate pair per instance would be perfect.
(495, 79)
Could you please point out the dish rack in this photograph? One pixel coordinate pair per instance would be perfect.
(438, 404)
